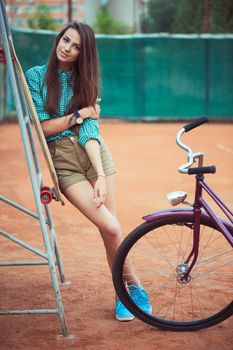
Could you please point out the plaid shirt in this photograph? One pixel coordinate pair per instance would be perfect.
(35, 78)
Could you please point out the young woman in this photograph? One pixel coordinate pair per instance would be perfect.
(65, 94)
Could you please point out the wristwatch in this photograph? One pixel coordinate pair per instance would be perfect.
(78, 117)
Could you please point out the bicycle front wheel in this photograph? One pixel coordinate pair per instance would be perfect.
(158, 252)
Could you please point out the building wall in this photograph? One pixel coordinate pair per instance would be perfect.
(126, 11)
(123, 11)
(91, 8)
(19, 11)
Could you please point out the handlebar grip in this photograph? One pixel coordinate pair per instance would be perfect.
(195, 123)
(202, 170)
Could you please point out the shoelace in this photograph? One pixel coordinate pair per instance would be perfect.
(138, 294)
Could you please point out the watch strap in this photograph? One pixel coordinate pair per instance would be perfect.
(70, 120)
(76, 113)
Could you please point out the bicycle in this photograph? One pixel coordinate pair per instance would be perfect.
(183, 257)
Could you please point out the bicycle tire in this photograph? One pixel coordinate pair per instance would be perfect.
(140, 256)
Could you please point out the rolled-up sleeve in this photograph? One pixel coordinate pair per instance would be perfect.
(89, 130)
(34, 80)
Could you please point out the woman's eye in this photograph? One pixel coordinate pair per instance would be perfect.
(65, 39)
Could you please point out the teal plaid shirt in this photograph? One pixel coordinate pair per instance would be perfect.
(35, 78)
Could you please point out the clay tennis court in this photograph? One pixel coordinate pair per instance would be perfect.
(147, 158)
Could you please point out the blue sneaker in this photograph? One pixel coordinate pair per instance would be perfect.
(123, 314)
(140, 298)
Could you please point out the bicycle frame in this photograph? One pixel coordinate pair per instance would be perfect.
(199, 202)
(198, 213)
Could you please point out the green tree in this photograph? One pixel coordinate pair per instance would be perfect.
(42, 19)
(161, 15)
(105, 24)
(188, 16)
(221, 16)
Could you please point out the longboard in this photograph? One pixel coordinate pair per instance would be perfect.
(46, 192)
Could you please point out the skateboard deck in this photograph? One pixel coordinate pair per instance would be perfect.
(55, 192)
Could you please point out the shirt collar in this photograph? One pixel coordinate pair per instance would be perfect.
(64, 73)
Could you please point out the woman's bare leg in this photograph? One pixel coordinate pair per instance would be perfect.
(81, 196)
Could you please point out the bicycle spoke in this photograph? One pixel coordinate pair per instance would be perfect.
(207, 245)
(214, 257)
(163, 254)
(198, 299)
(213, 269)
(174, 242)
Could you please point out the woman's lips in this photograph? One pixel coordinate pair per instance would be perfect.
(64, 55)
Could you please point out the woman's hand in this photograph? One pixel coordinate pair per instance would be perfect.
(90, 112)
(100, 191)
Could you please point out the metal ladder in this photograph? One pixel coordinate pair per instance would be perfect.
(51, 256)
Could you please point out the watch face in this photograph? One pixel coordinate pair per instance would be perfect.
(79, 120)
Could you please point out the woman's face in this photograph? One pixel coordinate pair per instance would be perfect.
(68, 48)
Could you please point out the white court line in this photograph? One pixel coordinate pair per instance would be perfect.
(223, 148)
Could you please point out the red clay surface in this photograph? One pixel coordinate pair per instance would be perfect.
(147, 158)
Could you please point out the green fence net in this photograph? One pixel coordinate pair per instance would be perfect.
(153, 76)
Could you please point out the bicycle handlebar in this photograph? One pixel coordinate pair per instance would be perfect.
(195, 124)
(202, 170)
(186, 168)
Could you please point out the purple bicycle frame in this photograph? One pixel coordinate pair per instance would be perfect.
(224, 226)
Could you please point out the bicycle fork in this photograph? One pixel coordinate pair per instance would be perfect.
(184, 269)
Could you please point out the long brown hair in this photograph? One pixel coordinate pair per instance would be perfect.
(85, 73)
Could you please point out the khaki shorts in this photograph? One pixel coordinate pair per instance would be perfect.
(72, 163)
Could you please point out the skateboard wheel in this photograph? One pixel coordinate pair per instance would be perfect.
(46, 195)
